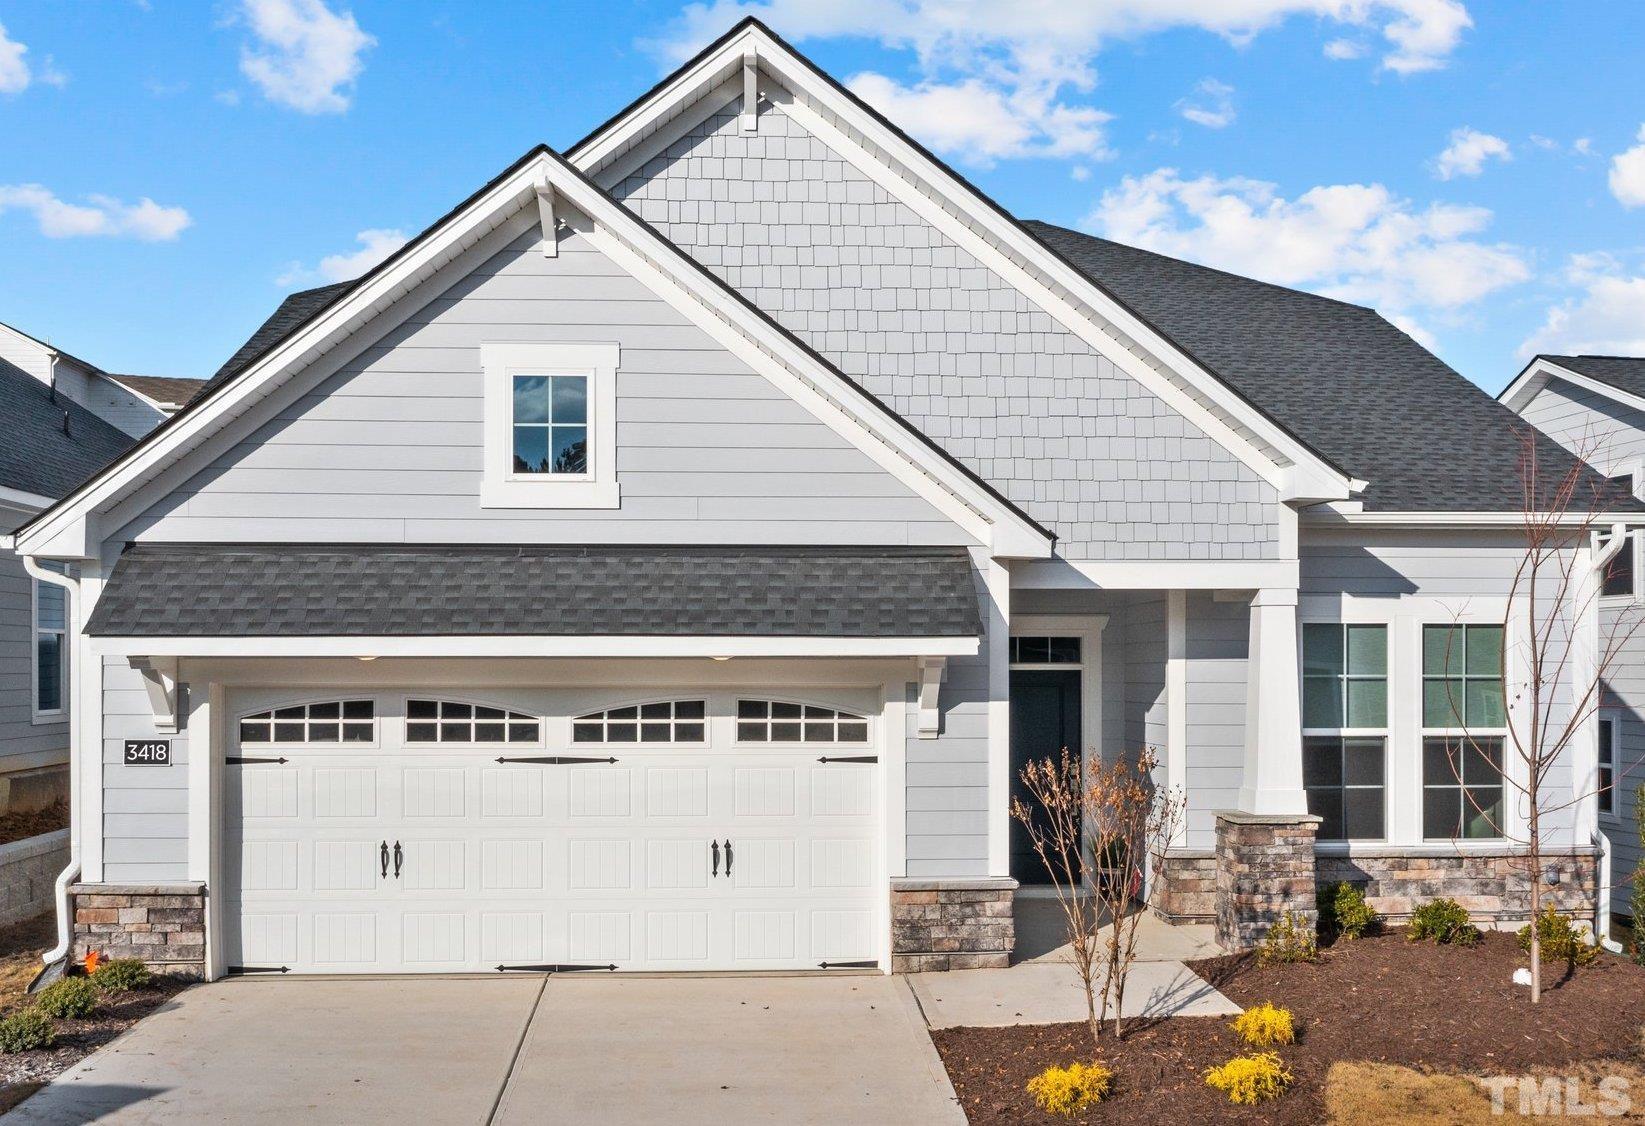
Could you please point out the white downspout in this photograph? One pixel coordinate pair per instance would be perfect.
(1602, 918)
(65, 935)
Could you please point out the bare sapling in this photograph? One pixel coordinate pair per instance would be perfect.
(1553, 667)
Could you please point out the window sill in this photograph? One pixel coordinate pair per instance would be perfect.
(550, 494)
(46, 719)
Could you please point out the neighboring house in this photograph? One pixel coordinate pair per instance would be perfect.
(1595, 407)
(668, 559)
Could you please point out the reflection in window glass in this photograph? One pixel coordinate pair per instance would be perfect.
(1461, 788)
(551, 424)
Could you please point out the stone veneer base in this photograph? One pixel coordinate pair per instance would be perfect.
(1265, 870)
(28, 875)
(163, 924)
(954, 924)
(1187, 888)
(1493, 884)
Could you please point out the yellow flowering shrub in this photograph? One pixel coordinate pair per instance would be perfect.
(1264, 1025)
(1069, 1090)
(1251, 1079)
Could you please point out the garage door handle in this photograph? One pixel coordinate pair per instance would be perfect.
(728, 857)
(383, 854)
(715, 870)
(398, 856)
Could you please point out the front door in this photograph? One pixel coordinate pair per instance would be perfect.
(1045, 718)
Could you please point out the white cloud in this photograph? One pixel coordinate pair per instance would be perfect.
(307, 56)
(15, 74)
(980, 123)
(1358, 242)
(1079, 173)
(1606, 316)
(99, 216)
(1628, 174)
(1343, 49)
(1211, 104)
(1467, 153)
(1019, 66)
(1583, 145)
(375, 245)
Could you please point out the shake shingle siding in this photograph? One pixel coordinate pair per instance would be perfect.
(950, 345)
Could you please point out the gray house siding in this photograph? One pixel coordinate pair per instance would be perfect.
(23, 743)
(114, 404)
(1606, 433)
(1625, 691)
(1217, 643)
(945, 341)
(145, 809)
(389, 448)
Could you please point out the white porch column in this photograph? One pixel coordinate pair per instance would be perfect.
(997, 580)
(1273, 716)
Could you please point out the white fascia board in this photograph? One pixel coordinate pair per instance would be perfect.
(1154, 574)
(1535, 377)
(325, 332)
(24, 501)
(536, 646)
(1466, 519)
(1102, 322)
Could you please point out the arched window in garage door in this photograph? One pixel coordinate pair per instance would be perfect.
(781, 721)
(662, 721)
(323, 721)
(458, 721)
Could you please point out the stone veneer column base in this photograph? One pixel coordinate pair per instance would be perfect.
(1187, 887)
(163, 924)
(1265, 870)
(1492, 883)
(951, 924)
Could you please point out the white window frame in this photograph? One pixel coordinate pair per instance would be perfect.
(377, 717)
(1613, 765)
(440, 697)
(1385, 732)
(1636, 547)
(573, 718)
(39, 715)
(1500, 734)
(500, 486)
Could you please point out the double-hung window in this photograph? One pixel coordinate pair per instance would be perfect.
(1345, 728)
(51, 647)
(1464, 722)
(1610, 731)
(550, 425)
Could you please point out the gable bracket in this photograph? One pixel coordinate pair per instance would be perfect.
(933, 671)
(751, 92)
(160, 678)
(545, 213)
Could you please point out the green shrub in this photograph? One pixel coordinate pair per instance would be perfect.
(26, 1030)
(121, 975)
(1069, 1090)
(1445, 921)
(1251, 1079)
(1343, 911)
(1562, 939)
(73, 997)
(1636, 899)
(1291, 939)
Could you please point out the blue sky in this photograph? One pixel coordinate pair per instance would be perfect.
(169, 170)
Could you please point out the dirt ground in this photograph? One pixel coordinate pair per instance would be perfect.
(21, 826)
(1381, 1000)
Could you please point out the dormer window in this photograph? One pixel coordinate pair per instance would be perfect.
(551, 427)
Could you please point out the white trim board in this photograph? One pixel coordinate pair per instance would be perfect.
(961, 212)
(1518, 394)
(70, 529)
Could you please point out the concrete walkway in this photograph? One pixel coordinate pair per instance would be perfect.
(566, 1049)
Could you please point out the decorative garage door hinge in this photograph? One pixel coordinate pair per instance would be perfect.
(869, 965)
(233, 761)
(849, 758)
(553, 760)
(259, 969)
(554, 968)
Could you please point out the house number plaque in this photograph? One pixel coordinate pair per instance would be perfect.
(147, 752)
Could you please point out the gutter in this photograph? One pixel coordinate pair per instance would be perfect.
(65, 935)
(1602, 913)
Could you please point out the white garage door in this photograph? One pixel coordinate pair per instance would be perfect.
(429, 833)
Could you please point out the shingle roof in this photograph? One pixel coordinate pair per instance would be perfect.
(1339, 376)
(162, 388)
(1625, 373)
(354, 590)
(293, 311)
(37, 455)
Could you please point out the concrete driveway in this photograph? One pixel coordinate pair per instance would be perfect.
(587, 1050)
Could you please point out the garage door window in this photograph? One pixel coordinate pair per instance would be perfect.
(665, 721)
(329, 721)
(777, 721)
(452, 721)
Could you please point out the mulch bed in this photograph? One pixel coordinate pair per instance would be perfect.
(21, 826)
(1381, 999)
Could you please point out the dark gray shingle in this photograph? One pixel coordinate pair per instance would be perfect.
(293, 311)
(37, 454)
(1338, 376)
(353, 590)
(1625, 373)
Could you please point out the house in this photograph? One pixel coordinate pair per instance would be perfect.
(64, 420)
(668, 559)
(1595, 407)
